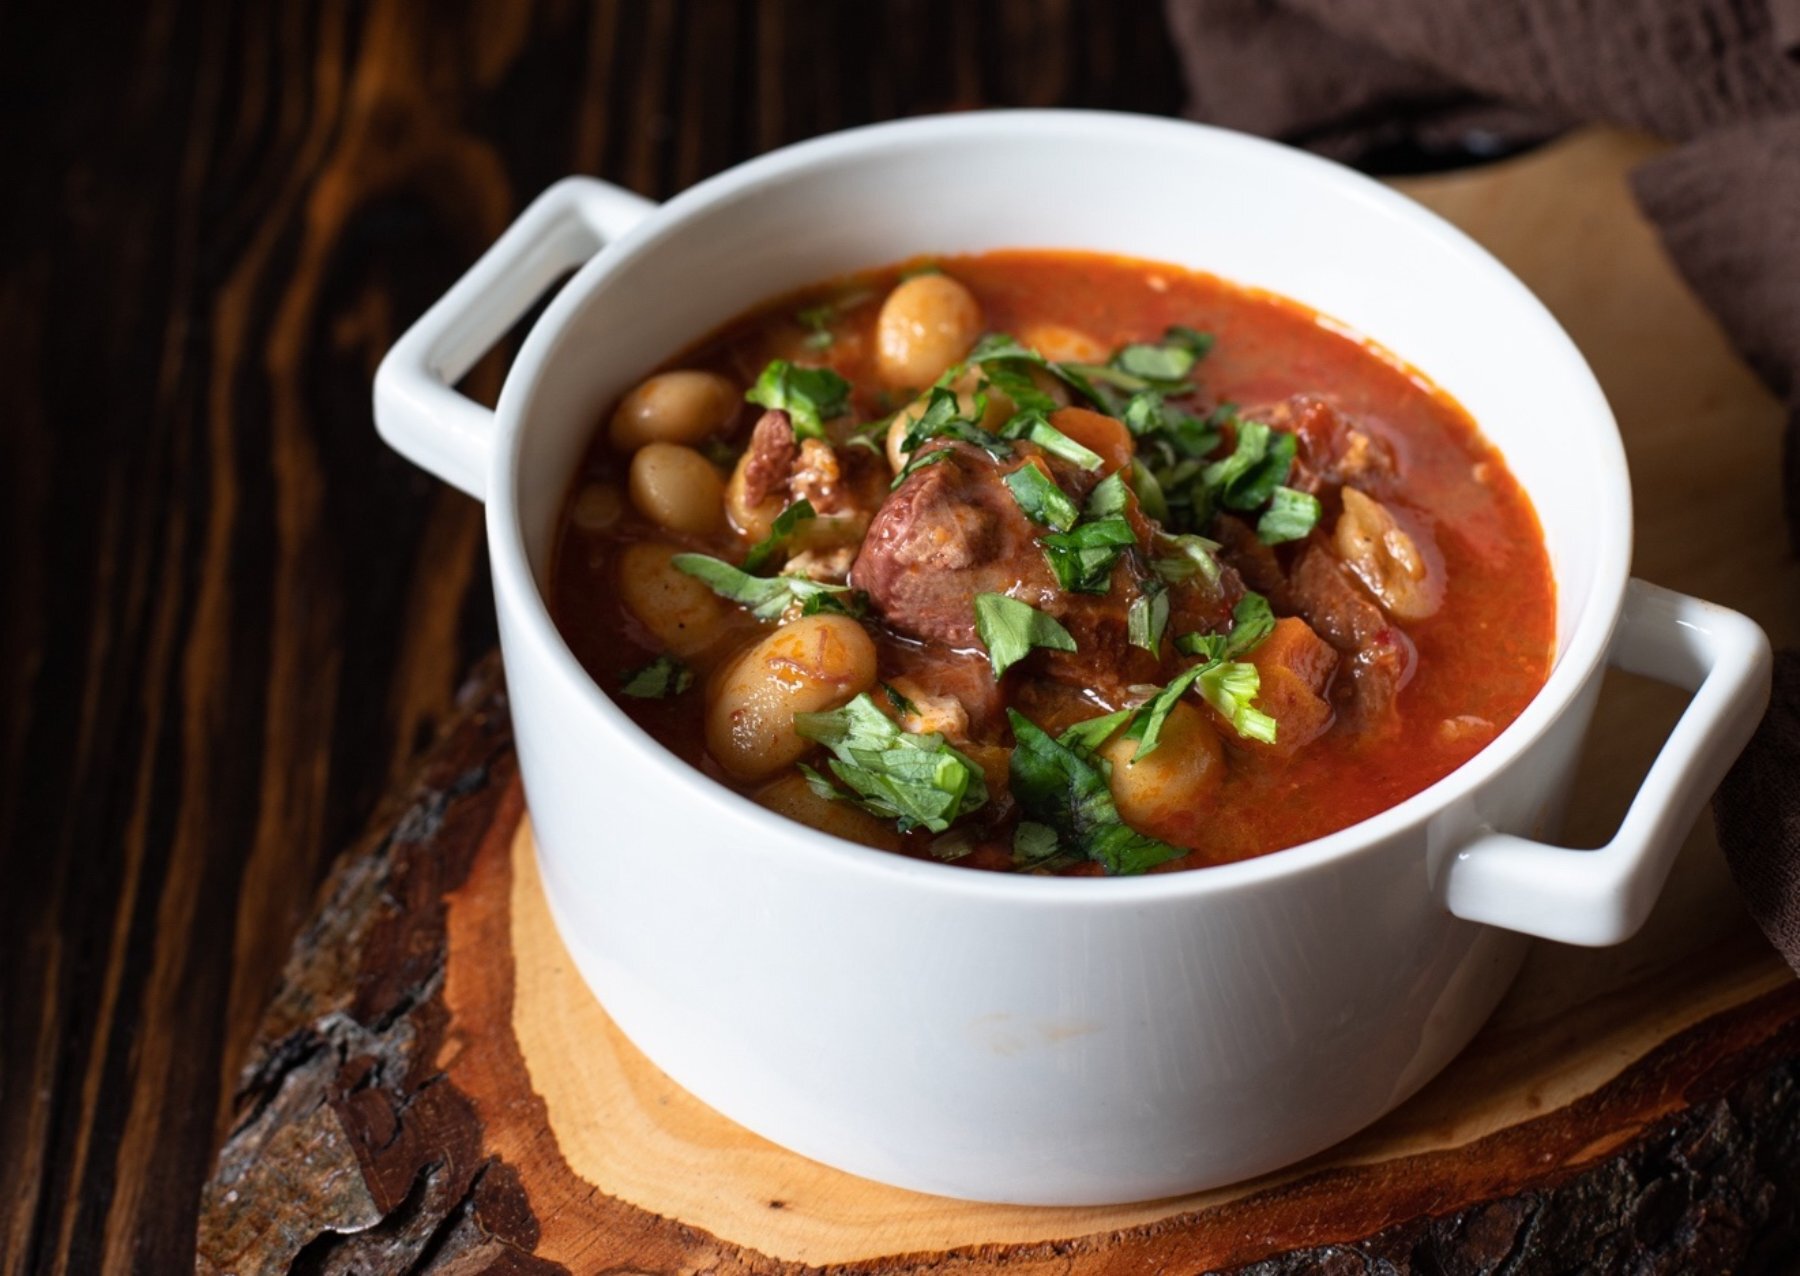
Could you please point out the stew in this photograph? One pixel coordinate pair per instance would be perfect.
(1054, 562)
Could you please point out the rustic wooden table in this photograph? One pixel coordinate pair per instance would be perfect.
(434, 1088)
(231, 615)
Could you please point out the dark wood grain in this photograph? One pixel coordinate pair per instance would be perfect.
(388, 1122)
(231, 617)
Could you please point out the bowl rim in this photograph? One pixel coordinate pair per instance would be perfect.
(1574, 663)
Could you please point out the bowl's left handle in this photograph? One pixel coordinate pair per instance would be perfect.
(1602, 897)
(417, 409)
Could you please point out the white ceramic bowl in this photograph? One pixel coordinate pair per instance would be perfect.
(1027, 1039)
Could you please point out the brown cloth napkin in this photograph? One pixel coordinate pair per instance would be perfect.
(1757, 811)
(1362, 80)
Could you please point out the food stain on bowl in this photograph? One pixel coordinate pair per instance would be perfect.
(1002, 1034)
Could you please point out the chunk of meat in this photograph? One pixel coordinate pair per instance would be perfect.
(830, 566)
(769, 460)
(965, 679)
(954, 530)
(1333, 450)
(917, 707)
(1381, 657)
(1057, 706)
(950, 531)
(1296, 667)
(1363, 456)
(843, 487)
(1255, 562)
(818, 477)
(1466, 729)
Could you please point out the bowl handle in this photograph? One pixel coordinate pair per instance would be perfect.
(416, 409)
(1601, 897)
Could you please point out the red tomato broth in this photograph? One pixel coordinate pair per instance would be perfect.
(1486, 652)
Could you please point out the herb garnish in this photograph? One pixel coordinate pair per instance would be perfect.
(1257, 465)
(1006, 364)
(1082, 553)
(1010, 629)
(1224, 682)
(1252, 620)
(1148, 617)
(1147, 489)
(1165, 366)
(1173, 447)
(918, 461)
(1146, 727)
(1083, 557)
(801, 511)
(1035, 426)
(769, 597)
(913, 778)
(944, 418)
(901, 704)
(1139, 367)
(1290, 516)
(1185, 556)
(1063, 787)
(952, 846)
(1177, 481)
(1111, 495)
(817, 319)
(1043, 501)
(817, 322)
(719, 452)
(1230, 686)
(1094, 732)
(810, 396)
(661, 678)
(1012, 378)
(1036, 849)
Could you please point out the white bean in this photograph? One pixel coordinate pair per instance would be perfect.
(1160, 793)
(677, 488)
(815, 664)
(597, 507)
(926, 324)
(674, 407)
(793, 797)
(681, 612)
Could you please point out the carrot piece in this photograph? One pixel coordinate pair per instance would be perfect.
(1295, 666)
(1097, 432)
(1293, 645)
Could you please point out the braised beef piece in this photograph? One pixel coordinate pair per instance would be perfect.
(771, 452)
(950, 531)
(1381, 657)
(919, 671)
(953, 530)
(1251, 559)
(845, 484)
(1333, 449)
(1309, 580)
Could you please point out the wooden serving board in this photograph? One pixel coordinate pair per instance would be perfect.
(434, 1089)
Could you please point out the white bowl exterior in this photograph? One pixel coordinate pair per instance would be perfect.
(1021, 1039)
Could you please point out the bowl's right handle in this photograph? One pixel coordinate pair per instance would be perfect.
(1602, 896)
(417, 409)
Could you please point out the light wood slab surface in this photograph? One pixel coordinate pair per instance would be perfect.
(1703, 441)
